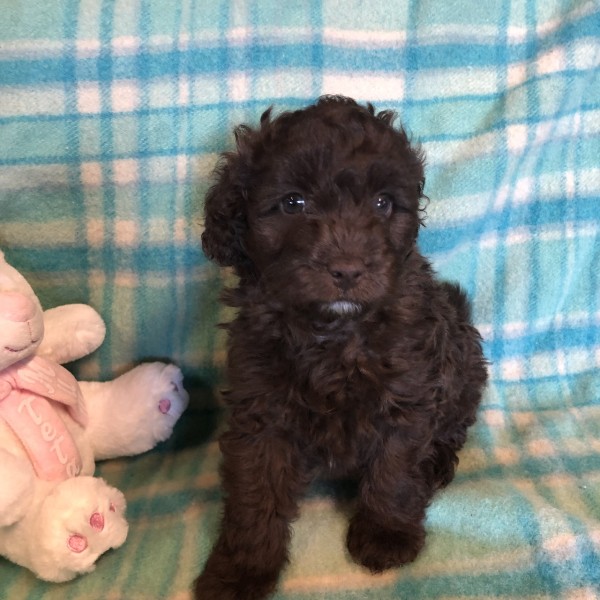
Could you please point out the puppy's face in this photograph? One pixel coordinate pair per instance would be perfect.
(321, 205)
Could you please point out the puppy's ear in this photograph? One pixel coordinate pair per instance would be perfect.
(225, 222)
(387, 116)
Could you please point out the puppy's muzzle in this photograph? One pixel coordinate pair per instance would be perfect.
(346, 271)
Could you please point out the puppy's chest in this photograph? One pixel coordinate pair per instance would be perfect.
(336, 373)
(337, 392)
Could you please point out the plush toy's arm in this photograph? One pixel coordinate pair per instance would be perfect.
(71, 332)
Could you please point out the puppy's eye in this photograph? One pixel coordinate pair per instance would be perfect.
(383, 204)
(292, 204)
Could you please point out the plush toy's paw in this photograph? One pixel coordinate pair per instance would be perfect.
(161, 397)
(81, 519)
(90, 332)
(71, 332)
(169, 386)
(131, 414)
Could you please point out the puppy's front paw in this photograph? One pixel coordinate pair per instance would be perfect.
(235, 585)
(378, 548)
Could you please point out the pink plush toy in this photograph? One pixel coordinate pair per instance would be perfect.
(55, 517)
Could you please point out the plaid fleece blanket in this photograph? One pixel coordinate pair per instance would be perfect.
(112, 114)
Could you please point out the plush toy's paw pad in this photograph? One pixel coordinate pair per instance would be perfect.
(97, 521)
(78, 543)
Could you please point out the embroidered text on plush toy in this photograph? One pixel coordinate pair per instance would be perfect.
(33, 419)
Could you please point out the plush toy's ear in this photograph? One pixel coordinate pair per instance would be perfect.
(225, 222)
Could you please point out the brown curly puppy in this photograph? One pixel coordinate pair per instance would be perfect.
(347, 358)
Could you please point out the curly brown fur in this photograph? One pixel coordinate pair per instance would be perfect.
(347, 358)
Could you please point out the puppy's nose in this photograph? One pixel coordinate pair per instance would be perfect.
(346, 271)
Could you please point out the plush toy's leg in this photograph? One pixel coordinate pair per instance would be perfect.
(135, 411)
(79, 520)
(16, 488)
